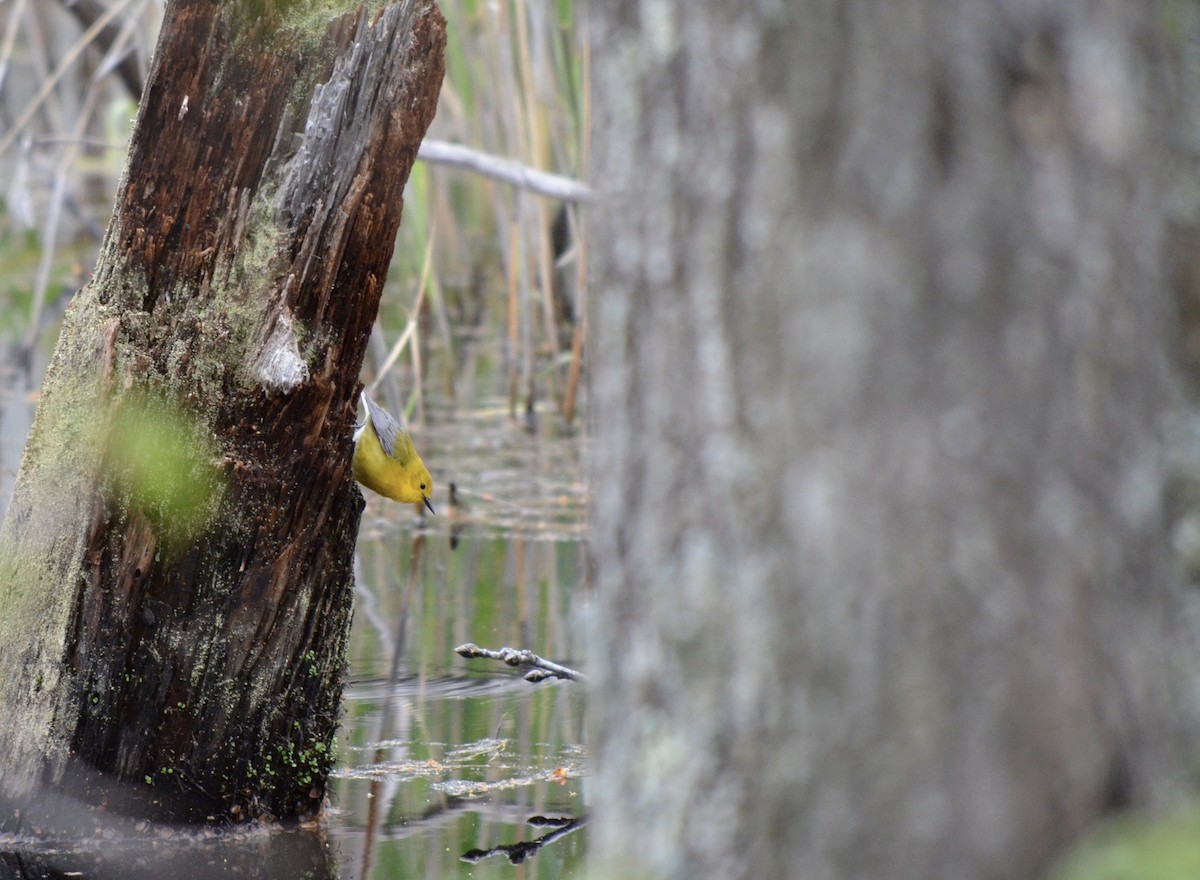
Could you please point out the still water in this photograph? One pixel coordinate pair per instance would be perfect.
(447, 768)
(452, 767)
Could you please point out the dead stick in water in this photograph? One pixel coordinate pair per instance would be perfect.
(539, 668)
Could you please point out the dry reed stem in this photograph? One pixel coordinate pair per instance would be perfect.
(410, 333)
(545, 270)
(59, 72)
(579, 334)
(10, 37)
(513, 317)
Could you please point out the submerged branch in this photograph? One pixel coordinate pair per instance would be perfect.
(539, 668)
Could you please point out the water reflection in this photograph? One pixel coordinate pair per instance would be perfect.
(518, 853)
(446, 761)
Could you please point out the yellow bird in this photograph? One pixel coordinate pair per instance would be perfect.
(385, 459)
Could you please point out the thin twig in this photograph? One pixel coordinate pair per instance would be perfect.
(539, 668)
(506, 170)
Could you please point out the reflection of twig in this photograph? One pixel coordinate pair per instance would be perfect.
(539, 669)
(517, 853)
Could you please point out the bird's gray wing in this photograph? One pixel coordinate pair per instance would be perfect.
(386, 426)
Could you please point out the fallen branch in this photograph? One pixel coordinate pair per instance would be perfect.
(506, 170)
(539, 668)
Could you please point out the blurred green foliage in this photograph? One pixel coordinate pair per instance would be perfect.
(160, 461)
(1136, 848)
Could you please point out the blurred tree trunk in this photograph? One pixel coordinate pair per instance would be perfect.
(176, 562)
(884, 343)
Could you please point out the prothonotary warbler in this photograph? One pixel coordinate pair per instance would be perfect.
(385, 459)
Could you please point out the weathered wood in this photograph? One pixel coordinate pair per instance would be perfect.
(537, 668)
(194, 657)
(881, 369)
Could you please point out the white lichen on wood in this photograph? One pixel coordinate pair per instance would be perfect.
(279, 367)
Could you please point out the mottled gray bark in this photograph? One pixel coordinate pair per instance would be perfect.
(176, 561)
(884, 340)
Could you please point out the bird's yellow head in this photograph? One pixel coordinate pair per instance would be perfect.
(386, 461)
(421, 483)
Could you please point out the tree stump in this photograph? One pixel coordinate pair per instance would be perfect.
(176, 563)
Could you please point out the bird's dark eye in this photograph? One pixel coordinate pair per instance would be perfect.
(422, 487)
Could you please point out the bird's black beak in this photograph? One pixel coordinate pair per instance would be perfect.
(428, 504)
